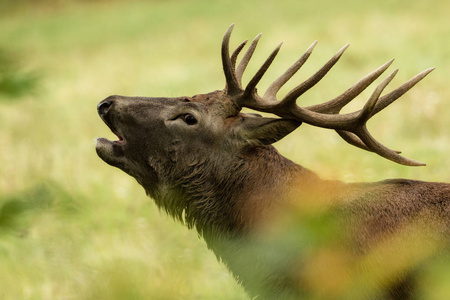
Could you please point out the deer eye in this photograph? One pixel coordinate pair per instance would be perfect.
(189, 119)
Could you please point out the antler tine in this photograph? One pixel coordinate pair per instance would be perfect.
(251, 86)
(359, 136)
(273, 89)
(247, 56)
(367, 110)
(232, 83)
(363, 139)
(353, 139)
(382, 103)
(398, 92)
(385, 152)
(236, 53)
(335, 105)
(292, 96)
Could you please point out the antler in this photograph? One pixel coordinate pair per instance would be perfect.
(351, 126)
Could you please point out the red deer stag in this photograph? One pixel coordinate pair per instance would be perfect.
(282, 231)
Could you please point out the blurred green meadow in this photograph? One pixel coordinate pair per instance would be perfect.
(72, 227)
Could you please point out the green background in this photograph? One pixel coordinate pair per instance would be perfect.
(72, 227)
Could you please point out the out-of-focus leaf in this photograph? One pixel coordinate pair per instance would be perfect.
(14, 80)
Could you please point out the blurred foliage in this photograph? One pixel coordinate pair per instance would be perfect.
(16, 210)
(14, 80)
(72, 227)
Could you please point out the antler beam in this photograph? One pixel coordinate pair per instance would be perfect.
(351, 126)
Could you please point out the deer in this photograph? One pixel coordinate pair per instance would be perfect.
(281, 230)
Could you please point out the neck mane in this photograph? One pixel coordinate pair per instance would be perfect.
(229, 197)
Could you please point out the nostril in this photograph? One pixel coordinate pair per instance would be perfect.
(103, 107)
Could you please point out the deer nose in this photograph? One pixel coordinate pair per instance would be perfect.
(104, 106)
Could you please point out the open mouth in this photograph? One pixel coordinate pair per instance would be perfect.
(112, 152)
(119, 142)
(106, 146)
(105, 115)
(120, 139)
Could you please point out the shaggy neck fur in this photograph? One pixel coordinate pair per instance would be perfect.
(218, 197)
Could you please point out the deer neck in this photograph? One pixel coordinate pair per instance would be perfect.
(231, 195)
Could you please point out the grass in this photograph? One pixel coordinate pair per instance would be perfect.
(71, 227)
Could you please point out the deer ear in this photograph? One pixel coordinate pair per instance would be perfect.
(266, 130)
